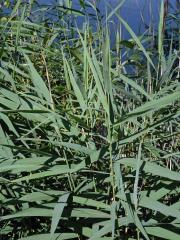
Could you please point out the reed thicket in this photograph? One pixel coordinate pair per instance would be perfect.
(89, 132)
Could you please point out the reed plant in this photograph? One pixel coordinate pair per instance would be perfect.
(89, 132)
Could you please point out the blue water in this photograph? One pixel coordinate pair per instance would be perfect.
(139, 14)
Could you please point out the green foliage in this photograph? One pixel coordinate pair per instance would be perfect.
(89, 140)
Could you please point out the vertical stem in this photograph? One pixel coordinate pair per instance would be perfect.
(48, 79)
(111, 156)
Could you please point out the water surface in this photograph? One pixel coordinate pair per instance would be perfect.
(139, 14)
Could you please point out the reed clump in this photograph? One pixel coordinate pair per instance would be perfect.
(89, 132)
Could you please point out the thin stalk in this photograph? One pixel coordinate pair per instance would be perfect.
(48, 79)
(111, 158)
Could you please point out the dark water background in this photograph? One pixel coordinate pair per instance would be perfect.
(135, 12)
(139, 14)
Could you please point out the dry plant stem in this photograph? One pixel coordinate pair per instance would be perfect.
(48, 79)
(112, 174)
